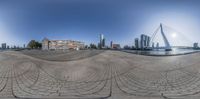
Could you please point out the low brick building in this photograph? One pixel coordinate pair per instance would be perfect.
(61, 44)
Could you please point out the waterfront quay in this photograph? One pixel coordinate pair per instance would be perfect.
(98, 74)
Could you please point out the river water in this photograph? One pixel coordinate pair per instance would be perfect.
(175, 51)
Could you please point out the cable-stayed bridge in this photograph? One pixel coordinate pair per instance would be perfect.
(164, 31)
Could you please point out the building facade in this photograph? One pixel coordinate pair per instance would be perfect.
(61, 44)
(144, 41)
(195, 45)
(3, 45)
(116, 46)
(102, 41)
(111, 44)
(137, 43)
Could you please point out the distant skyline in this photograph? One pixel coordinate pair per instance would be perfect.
(121, 21)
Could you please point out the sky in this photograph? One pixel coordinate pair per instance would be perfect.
(121, 21)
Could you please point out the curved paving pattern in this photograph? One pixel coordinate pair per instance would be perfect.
(102, 74)
(64, 55)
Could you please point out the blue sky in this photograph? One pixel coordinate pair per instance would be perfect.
(119, 20)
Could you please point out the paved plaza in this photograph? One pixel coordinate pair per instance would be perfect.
(98, 74)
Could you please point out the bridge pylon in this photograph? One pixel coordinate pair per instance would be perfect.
(167, 46)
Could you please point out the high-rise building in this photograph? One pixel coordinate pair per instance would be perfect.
(24, 46)
(102, 41)
(148, 41)
(8, 47)
(142, 38)
(111, 44)
(157, 45)
(144, 41)
(15, 46)
(3, 45)
(136, 43)
(153, 45)
(195, 45)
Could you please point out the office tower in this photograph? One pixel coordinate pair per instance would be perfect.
(157, 45)
(102, 41)
(136, 43)
(111, 44)
(195, 45)
(144, 41)
(142, 37)
(153, 45)
(148, 41)
(8, 47)
(99, 44)
(3, 46)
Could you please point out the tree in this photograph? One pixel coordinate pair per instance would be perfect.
(38, 45)
(86, 46)
(93, 46)
(34, 44)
